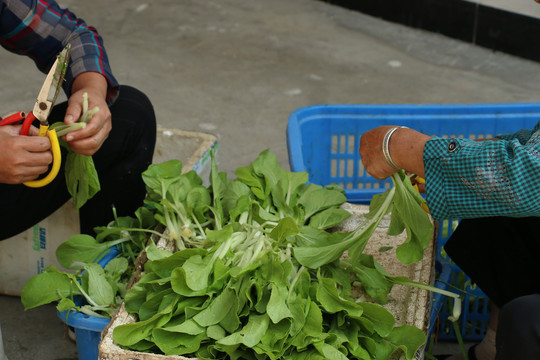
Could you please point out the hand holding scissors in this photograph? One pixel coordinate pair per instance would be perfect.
(42, 108)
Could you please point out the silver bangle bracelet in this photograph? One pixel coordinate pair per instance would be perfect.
(386, 149)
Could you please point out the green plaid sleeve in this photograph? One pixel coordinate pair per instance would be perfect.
(470, 179)
(522, 136)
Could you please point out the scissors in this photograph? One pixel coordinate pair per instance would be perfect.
(42, 108)
(417, 180)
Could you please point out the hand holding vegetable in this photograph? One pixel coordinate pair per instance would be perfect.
(89, 139)
(82, 179)
(405, 148)
(22, 158)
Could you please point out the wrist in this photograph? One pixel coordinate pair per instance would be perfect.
(386, 147)
(91, 82)
(406, 148)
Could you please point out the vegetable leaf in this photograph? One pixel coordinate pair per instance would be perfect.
(80, 249)
(82, 180)
(407, 207)
(46, 287)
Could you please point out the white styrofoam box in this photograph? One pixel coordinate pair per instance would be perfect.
(409, 305)
(30, 252)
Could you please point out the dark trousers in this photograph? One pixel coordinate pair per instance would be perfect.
(518, 333)
(502, 256)
(126, 153)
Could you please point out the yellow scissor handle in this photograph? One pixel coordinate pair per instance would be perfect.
(419, 180)
(43, 130)
(57, 158)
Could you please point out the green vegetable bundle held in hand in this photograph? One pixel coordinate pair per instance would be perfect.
(258, 274)
(405, 205)
(81, 176)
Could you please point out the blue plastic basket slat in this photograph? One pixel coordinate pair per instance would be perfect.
(324, 140)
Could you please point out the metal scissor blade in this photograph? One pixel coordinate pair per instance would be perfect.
(61, 63)
(51, 86)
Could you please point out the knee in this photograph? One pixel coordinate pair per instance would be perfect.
(133, 112)
(134, 95)
(520, 312)
(519, 325)
(135, 103)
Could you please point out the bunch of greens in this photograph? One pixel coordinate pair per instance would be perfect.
(91, 288)
(260, 275)
(81, 176)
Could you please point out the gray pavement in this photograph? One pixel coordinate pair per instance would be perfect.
(238, 68)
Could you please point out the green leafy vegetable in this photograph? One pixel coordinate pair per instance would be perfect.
(81, 176)
(259, 274)
(81, 249)
(82, 180)
(93, 290)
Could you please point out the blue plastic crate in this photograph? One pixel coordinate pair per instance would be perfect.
(324, 140)
(88, 328)
(437, 320)
(475, 316)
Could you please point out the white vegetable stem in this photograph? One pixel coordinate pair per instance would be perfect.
(87, 114)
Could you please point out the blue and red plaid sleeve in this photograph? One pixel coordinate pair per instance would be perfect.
(40, 29)
(470, 179)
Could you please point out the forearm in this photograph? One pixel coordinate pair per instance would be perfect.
(91, 82)
(406, 148)
(43, 43)
(464, 178)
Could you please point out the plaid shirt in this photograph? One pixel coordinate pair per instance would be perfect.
(40, 29)
(471, 179)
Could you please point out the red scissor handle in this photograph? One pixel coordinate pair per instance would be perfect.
(28, 120)
(25, 129)
(13, 118)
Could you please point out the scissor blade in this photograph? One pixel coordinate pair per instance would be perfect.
(61, 62)
(51, 86)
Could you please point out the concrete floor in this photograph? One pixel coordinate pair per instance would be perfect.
(238, 68)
